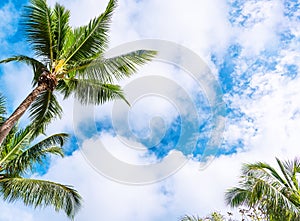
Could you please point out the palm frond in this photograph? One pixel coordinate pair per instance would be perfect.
(16, 146)
(114, 68)
(38, 25)
(61, 17)
(41, 193)
(37, 153)
(261, 185)
(36, 65)
(43, 110)
(237, 196)
(67, 86)
(284, 171)
(292, 169)
(92, 92)
(91, 39)
(263, 170)
(190, 218)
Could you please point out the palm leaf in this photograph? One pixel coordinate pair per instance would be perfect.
(292, 168)
(37, 66)
(37, 153)
(114, 68)
(40, 192)
(15, 147)
(67, 86)
(43, 110)
(284, 172)
(92, 92)
(237, 196)
(91, 39)
(38, 26)
(262, 186)
(60, 19)
(191, 218)
(265, 170)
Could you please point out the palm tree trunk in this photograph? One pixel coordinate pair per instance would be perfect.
(11, 121)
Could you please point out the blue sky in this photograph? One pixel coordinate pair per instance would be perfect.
(252, 49)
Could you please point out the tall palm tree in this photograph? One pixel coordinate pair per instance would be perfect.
(71, 62)
(18, 157)
(276, 193)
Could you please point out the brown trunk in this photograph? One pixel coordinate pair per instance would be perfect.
(11, 121)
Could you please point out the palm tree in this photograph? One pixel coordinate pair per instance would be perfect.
(71, 62)
(18, 157)
(275, 193)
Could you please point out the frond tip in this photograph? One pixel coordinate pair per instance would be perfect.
(41, 192)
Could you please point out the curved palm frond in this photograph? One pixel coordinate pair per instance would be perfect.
(190, 218)
(43, 110)
(37, 153)
(292, 167)
(237, 196)
(92, 92)
(67, 86)
(36, 65)
(41, 193)
(15, 147)
(38, 25)
(91, 39)
(264, 170)
(114, 68)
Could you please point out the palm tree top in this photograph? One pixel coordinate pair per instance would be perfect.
(70, 61)
(276, 192)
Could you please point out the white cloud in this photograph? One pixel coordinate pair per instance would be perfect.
(8, 18)
(262, 26)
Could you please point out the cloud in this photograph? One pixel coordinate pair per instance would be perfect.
(8, 19)
(188, 191)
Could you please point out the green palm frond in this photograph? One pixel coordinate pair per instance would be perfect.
(292, 168)
(263, 170)
(40, 192)
(114, 68)
(67, 86)
(43, 110)
(37, 153)
(60, 19)
(191, 218)
(92, 39)
(38, 27)
(36, 65)
(237, 196)
(92, 92)
(283, 170)
(261, 185)
(16, 146)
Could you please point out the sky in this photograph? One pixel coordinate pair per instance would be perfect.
(252, 51)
